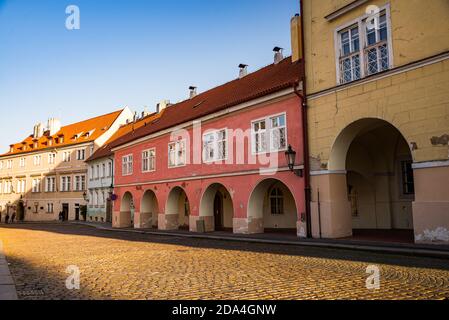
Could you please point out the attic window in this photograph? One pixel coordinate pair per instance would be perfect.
(88, 134)
(78, 135)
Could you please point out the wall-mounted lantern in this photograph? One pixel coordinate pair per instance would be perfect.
(290, 156)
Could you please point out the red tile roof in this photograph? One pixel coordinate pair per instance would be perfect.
(90, 130)
(267, 80)
(105, 150)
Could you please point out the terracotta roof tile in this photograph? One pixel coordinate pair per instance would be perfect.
(90, 130)
(270, 79)
(105, 150)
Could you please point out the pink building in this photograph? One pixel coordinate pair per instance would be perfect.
(217, 161)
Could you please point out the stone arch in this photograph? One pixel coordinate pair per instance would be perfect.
(216, 207)
(376, 162)
(149, 210)
(268, 210)
(127, 210)
(177, 208)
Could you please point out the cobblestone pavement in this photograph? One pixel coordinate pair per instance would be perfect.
(117, 265)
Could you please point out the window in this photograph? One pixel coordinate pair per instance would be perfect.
(65, 183)
(50, 207)
(9, 164)
(127, 165)
(109, 169)
(95, 198)
(80, 183)
(103, 169)
(363, 48)
(276, 201)
(51, 158)
(7, 187)
(215, 146)
(269, 134)
(22, 162)
(21, 185)
(1, 165)
(50, 185)
(66, 156)
(80, 154)
(408, 186)
(37, 160)
(91, 174)
(97, 175)
(36, 185)
(149, 160)
(177, 153)
(91, 150)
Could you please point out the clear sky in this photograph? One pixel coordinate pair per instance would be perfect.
(127, 53)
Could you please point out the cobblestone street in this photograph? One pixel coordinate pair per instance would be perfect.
(118, 265)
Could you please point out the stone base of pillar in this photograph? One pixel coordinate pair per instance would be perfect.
(168, 221)
(144, 221)
(121, 219)
(301, 229)
(248, 225)
(209, 223)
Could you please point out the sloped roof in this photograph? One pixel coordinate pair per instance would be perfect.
(80, 132)
(105, 150)
(267, 80)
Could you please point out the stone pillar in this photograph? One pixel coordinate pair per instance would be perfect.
(168, 221)
(431, 205)
(248, 225)
(333, 208)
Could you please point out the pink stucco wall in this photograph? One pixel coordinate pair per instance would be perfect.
(239, 186)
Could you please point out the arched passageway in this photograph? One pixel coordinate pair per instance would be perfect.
(272, 207)
(379, 177)
(149, 210)
(127, 210)
(216, 208)
(177, 210)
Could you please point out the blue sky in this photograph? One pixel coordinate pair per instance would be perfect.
(127, 53)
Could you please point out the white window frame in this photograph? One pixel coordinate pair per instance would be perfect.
(22, 162)
(79, 183)
(128, 165)
(36, 185)
(66, 182)
(81, 154)
(52, 158)
(50, 208)
(148, 158)
(9, 164)
(177, 163)
(50, 184)
(268, 134)
(215, 145)
(66, 156)
(362, 43)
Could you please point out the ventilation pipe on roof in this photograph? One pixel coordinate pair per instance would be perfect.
(192, 92)
(243, 70)
(278, 56)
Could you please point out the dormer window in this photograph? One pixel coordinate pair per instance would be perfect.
(35, 144)
(364, 47)
(89, 134)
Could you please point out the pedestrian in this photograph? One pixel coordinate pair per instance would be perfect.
(13, 216)
(7, 218)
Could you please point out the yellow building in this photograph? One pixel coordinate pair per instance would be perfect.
(377, 83)
(46, 173)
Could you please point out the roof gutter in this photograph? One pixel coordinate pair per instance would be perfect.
(307, 187)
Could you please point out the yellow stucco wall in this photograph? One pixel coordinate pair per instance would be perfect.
(415, 101)
(419, 29)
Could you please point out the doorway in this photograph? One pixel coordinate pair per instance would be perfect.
(218, 211)
(65, 211)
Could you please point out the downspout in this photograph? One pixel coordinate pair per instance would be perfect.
(307, 188)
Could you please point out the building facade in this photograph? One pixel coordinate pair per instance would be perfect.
(216, 161)
(377, 86)
(101, 170)
(46, 173)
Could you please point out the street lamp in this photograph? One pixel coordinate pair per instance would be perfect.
(290, 156)
(85, 197)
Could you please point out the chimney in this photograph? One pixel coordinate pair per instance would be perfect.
(278, 56)
(11, 148)
(192, 92)
(53, 125)
(135, 117)
(295, 30)
(162, 105)
(38, 131)
(243, 70)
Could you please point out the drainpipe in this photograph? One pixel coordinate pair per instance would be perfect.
(307, 188)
